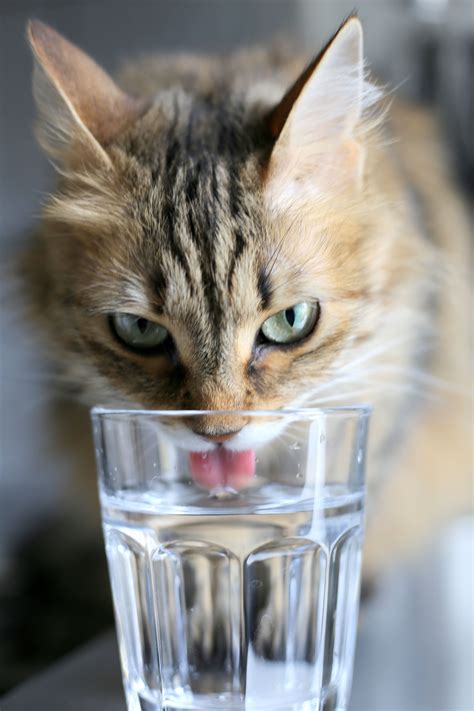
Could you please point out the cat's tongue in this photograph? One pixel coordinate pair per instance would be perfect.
(222, 467)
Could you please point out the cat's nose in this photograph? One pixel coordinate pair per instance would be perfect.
(218, 438)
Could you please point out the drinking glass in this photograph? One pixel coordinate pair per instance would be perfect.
(234, 547)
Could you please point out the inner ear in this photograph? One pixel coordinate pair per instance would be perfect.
(342, 54)
(279, 114)
(318, 147)
(77, 99)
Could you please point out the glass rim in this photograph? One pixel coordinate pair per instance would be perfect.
(362, 411)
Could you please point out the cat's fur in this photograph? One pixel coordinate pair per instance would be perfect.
(209, 203)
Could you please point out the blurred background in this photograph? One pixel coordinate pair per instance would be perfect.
(50, 598)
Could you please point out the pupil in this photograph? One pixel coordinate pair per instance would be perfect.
(290, 316)
(142, 324)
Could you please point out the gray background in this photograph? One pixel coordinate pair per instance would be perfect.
(425, 47)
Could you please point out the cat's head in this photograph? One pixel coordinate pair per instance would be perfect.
(207, 249)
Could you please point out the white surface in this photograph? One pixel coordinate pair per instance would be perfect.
(415, 646)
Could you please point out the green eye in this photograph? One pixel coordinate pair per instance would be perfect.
(292, 324)
(137, 332)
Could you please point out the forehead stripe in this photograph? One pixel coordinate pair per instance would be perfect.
(240, 245)
(264, 288)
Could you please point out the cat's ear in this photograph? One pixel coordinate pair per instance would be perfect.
(80, 107)
(315, 124)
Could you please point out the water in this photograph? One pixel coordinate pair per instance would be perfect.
(235, 603)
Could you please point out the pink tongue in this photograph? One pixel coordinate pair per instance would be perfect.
(222, 467)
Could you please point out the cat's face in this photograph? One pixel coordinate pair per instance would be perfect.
(198, 264)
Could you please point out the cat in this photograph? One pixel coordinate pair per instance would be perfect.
(240, 234)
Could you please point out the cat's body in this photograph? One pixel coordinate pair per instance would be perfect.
(209, 210)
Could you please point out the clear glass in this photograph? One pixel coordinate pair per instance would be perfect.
(235, 564)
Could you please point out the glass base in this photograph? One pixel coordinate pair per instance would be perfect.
(212, 702)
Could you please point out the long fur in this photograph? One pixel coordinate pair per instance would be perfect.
(180, 226)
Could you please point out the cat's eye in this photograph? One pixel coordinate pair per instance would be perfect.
(137, 332)
(292, 324)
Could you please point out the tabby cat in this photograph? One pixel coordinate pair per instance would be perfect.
(218, 240)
